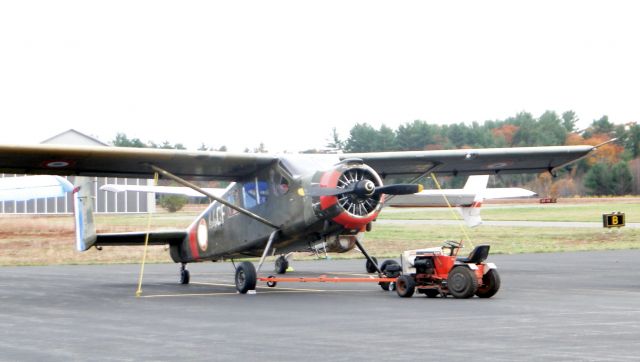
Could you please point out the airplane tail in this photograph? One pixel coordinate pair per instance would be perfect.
(83, 214)
(476, 184)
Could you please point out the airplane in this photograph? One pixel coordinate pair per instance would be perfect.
(277, 203)
(468, 199)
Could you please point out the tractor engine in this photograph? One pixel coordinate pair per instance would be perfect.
(423, 265)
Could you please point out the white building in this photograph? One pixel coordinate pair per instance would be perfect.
(105, 202)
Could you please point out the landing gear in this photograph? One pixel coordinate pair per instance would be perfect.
(184, 274)
(282, 264)
(390, 269)
(245, 277)
(371, 268)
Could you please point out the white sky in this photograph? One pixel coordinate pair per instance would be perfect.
(285, 72)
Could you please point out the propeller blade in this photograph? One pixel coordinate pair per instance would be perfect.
(329, 191)
(399, 189)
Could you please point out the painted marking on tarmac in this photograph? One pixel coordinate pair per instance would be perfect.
(263, 290)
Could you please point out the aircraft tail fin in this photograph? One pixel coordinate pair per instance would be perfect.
(477, 183)
(83, 214)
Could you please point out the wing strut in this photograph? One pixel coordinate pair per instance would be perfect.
(223, 202)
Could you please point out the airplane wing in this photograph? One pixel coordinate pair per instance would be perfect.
(134, 162)
(507, 193)
(472, 161)
(127, 162)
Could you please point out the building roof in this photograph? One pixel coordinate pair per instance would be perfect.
(73, 137)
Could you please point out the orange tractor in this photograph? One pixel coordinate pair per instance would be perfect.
(439, 272)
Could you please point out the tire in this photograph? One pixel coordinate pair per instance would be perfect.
(245, 277)
(384, 286)
(462, 282)
(405, 286)
(184, 276)
(370, 267)
(271, 283)
(282, 264)
(490, 284)
(388, 263)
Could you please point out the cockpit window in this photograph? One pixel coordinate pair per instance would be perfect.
(255, 193)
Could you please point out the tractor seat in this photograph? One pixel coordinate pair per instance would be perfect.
(477, 255)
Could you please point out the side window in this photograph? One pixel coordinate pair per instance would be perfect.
(255, 193)
(234, 197)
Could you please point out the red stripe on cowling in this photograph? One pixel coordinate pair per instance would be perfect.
(330, 179)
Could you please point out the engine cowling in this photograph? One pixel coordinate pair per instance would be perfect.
(353, 210)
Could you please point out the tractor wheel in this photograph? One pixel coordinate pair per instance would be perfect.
(405, 286)
(490, 284)
(245, 277)
(462, 282)
(281, 264)
(370, 267)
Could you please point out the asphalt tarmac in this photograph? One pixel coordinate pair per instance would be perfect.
(552, 307)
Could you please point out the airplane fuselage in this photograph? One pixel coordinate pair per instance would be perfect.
(276, 193)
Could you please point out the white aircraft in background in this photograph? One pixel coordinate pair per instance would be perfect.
(468, 200)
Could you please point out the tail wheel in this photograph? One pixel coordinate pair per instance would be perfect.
(490, 284)
(184, 276)
(405, 286)
(245, 277)
(462, 282)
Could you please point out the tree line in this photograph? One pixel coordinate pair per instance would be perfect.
(608, 172)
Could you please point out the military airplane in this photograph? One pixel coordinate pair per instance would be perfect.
(276, 204)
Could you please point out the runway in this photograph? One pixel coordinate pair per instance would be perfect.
(567, 306)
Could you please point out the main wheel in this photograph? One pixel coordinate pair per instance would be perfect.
(490, 284)
(245, 277)
(281, 264)
(184, 276)
(390, 268)
(393, 272)
(462, 282)
(405, 286)
(370, 267)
